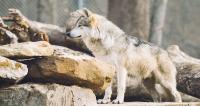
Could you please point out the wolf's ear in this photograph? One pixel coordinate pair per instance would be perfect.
(90, 18)
(81, 12)
(87, 12)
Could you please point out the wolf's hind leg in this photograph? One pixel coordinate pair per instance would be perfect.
(167, 76)
(121, 85)
(150, 85)
(171, 89)
(107, 95)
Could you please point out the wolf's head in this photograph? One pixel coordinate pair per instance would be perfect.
(85, 24)
(93, 29)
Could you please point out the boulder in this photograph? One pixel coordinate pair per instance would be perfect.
(26, 49)
(70, 67)
(11, 71)
(46, 95)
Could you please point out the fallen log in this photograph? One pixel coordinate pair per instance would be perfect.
(20, 31)
(188, 77)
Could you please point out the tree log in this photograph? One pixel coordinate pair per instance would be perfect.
(188, 76)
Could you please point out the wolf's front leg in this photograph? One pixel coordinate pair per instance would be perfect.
(107, 95)
(121, 85)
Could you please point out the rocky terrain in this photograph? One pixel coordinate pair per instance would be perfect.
(41, 74)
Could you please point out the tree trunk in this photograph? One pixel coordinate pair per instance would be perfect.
(157, 21)
(132, 16)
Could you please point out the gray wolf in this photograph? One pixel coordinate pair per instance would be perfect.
(131, 56)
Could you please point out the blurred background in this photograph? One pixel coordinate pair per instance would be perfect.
(136, 17)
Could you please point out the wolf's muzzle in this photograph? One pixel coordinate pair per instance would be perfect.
(67, 34)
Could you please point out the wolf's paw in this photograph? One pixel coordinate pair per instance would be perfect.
(103, 101)
(117, 101)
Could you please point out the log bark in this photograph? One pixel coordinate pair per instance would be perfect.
(189, 81)
(188, 77)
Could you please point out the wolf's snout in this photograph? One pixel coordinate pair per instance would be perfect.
(68, 34)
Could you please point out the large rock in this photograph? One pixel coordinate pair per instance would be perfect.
(11, 71)
(46, 95)
(70, 67)
(26, 49)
